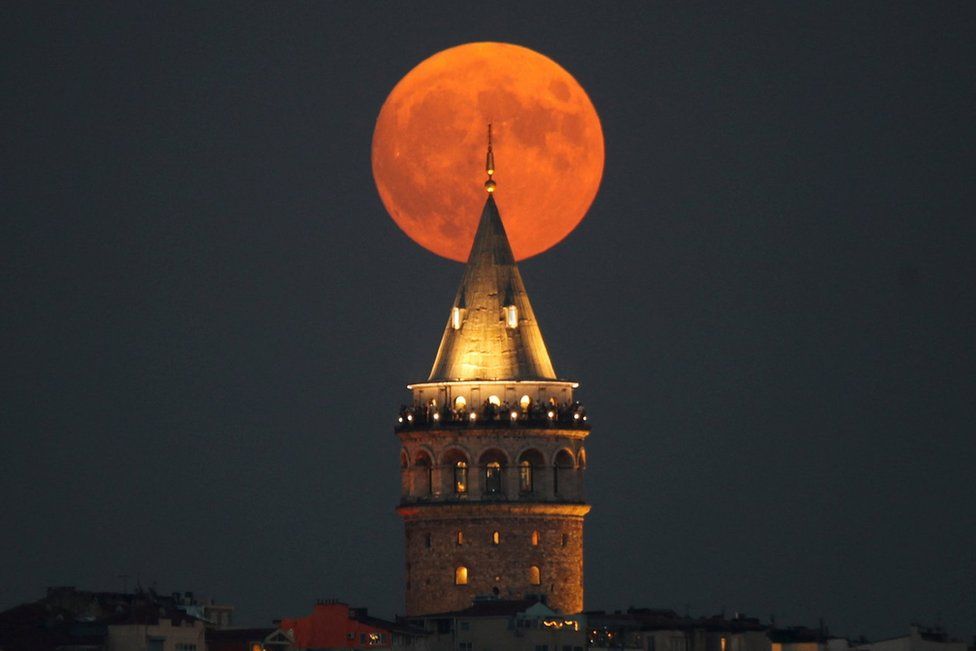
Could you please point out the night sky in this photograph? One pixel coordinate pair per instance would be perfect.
(208, 318)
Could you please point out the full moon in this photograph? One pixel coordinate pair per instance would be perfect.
(430, 142)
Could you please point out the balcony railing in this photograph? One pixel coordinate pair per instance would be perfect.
(562, 416)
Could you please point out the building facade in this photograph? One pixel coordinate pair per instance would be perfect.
(492, 458)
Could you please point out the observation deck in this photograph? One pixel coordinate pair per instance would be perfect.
(492, 416)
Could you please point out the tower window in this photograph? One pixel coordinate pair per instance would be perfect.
(495, 538)
(493, 478)
(459, 537)
(511, 316)
(461, 477)
(456, 318)
(525, 476)
(565, 539)
(461, 575)
(427, 541)
(535, 575)
(535, 538)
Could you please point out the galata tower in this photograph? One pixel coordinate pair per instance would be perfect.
(492, 458)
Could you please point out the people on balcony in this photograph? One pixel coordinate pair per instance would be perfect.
(553, 412)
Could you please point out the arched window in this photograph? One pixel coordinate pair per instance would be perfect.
(535, 575)
(561, 471)
(424, 474)
(525, 476)
(525, 402)
(535, 538)
(493, 461)
(461, 575)
(493, 478)
(459, 537)
(494, 400)
(496, 538)
(461, 477)
(454, 472)
(460, 403)
(529, 461)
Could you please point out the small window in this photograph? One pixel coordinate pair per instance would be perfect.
(427, 541)
(535, 538)
(456, 318)
(494, 400)
(459, 537)
(566, 542)
(511, 316)
(461, 575)
(496, 538)
(535, 575)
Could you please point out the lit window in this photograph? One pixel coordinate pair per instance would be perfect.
(495, 538)
(535, 538)
(461, 575)
(525, 476)
(511, 316)
(525, 402)
(460, 403)
(722, 644)
(535, 575)
(495, 400)
(461, 477)
(459, 537)
(456, 318)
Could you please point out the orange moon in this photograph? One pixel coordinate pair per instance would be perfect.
(431, 137)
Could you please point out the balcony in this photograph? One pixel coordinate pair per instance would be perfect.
(556, 416)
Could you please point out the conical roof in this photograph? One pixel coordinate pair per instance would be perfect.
(479, 342)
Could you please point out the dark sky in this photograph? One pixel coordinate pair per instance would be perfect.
(208, 318)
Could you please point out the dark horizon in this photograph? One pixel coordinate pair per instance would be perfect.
(210, 318)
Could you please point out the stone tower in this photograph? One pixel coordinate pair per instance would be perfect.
(492, 457)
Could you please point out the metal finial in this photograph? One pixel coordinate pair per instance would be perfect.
(490, 165)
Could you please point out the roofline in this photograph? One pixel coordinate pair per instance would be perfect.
(444, 383)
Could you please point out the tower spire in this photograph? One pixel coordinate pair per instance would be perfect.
(490, 165)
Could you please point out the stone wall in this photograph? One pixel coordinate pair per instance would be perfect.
(502, 569)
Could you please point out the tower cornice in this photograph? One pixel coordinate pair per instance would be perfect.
(473, 510)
